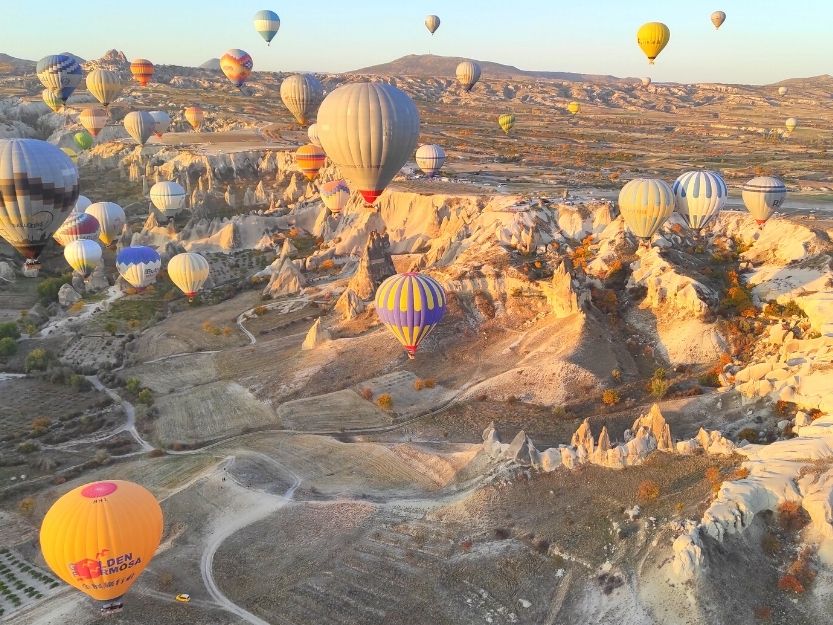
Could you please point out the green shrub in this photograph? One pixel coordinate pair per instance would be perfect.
(9, 330)
(37, 360)
(145, 397)
(8, 347)
(49, 287)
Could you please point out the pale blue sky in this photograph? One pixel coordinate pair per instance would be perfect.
(762, 41)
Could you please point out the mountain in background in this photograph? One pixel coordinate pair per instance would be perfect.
(213, 64)
(11, 64)
(431, 65)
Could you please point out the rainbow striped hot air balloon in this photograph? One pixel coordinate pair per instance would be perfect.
(236, 65)
(310, 159)
(78, 226)
(267, 24)
(410, 305)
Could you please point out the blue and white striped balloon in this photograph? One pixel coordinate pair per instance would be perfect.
(267, 24)
(698, 196)
(60, 74)
(138, 265)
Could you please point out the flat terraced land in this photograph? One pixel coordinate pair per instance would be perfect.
(208, 412)
(22, 583)
(175, 374)
(342, 410)
(26, 399)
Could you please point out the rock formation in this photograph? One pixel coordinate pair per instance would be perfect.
(375, 265)
(349, 305)
(316, 336)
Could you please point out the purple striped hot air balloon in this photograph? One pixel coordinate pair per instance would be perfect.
(410, 305)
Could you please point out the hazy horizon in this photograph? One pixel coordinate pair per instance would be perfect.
(758, 44)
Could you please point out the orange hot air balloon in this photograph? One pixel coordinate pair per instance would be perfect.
(100, 536)
(310, 159)
(142, 70)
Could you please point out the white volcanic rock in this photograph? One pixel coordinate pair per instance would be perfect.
(316, 336)
(67, 296)
(563, 299)
(656, 424)
(667, 289)
(349, 305)
(286, 278)
(7, 272)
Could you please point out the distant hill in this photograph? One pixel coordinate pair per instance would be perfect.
(433, 65)
(14, 65)
(213, 64)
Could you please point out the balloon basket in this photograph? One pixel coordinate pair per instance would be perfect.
(111, 607)
(31, 269)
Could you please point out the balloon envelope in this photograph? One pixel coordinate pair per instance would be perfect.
(140, 125)
(301, 94)
(99, 537)
(369, 130)
(430, 159)
(111, 219)
(267, 24)
(783, 90)
(161, 122)
(468, 73)
(168, 197)
(78, 226)
(646, 204)
(574, 108)
(791, 123)
(506, 121)
(188, 271)
(312, 133)
(699, 196)
(652, 38)
(718, 17)
(335, 195)
(432, 23)
(142, 71)
(83, 140)
(52, 100)
(93, 119)
(81, 205)
(83, 255)
(59, 73)
(237, 65)
(38, 190)
(762, 196)
(105, 85)
(310, 159)
(410, 305)
(138, 265)
(646, 81)
(194, 116)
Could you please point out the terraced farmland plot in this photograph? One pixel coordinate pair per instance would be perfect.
(22, 583)
(175, 374)
(26, 399)
(342, 410)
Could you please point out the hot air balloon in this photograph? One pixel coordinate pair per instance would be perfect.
(111, 219)
(430, 159)
(188, 271)
(646, 204)
(38, 190)
(468, 73)
(432, 23)
(71, 154)
(60, 74)
(646, 82)
(93, 119)
(791, 124)
(52, 100)
(194, 116)
(139, 125)
(410, 305)
(78, 226)
(652, 38)
(81, 205)
(718, 17)
(236, 65)
(105, 85)
(699, 195)
(782, 91)
(138, 265)
(335, 195)
(301, 93)
(312, 133)
(161, 122)
(267, 24)
(83, 140)
(506, 121)
(83, 255)
(762, 196)
(369, 130)
(310, 158)
(168, 198)
(99, 538)
(142, 71)
(574, 108)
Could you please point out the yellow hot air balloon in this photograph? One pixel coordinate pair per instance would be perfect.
(188, 271)
(574, 108)
(52, 100)
(83, 255)
(506, 121)
(105, 85)
(652, 38)
(111, 220)
(93, 119)
(99, 538)
(718, 17)
(194, 116)
(791, 124)
(782, 91)
(646, 204)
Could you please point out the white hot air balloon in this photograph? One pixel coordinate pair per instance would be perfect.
(432, 23)
(791, 124)
(646, 81)
(762, 196)
(369, 131)
(468, 73)
(139, 125)
(161, 122)
(335, 195)
(168, 198)
(312, 132)
(782, 91)
(93, 119)
(188, 271)
(301, 93)
(81, 204)
(646, 204)
(699, 195)
(83, 255)
(430, 159)
(111, 220)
